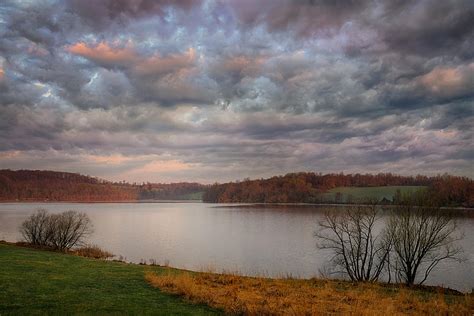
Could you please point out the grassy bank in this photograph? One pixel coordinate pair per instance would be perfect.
(41, 282)
(260, 296)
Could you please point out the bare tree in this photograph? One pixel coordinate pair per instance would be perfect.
(36, 230)
(69, 229)
(351, 235)
(423, 235)
(58, 231)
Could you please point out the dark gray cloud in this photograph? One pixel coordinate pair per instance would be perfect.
(222, 89)
(100, 15)
(419, 27)
(303, 17)
(430, 27)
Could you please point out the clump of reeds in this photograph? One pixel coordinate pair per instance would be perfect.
(260, 296)
(92, 251)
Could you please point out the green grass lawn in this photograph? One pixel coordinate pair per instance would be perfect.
(360, 193)
(41, 282)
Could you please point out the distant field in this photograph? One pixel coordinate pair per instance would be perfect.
(361, 193)
(191, 196)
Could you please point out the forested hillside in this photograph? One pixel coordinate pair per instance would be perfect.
(313, 188)
(36, 185)
(171, 191)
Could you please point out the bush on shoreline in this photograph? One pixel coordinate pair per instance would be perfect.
(93, 251)
(87, 251)
(60, 231)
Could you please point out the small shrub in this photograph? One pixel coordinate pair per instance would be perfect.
(57, 231)
(37, 230)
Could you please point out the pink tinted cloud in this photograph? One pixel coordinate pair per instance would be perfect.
(158, 64)
(115, 159)
(37, 50)
(104, 53)
(159, 166)
(156, 169)
(449, 81)
(110, 55)
(244, 66)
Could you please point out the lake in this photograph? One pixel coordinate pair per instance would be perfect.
(266, 241)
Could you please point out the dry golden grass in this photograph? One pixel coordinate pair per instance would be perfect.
(92, 251)
(259, 296)
(88, 251)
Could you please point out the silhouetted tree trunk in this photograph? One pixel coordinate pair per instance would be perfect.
(423, 235)
(358, 249)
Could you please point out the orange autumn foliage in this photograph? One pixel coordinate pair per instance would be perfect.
(306, 187)
(38, 185)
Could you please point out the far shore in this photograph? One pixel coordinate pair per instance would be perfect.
(99, 202)
(217, 205)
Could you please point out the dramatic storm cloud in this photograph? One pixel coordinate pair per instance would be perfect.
(218, 90)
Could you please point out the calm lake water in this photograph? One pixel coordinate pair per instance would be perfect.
(267, 241)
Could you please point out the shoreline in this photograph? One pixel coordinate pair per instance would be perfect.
(34, 282)
(427, 288)
(241, 204)
(99, 202)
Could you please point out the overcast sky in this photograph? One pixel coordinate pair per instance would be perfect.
(209, 91)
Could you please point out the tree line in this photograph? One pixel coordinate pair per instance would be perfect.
(307, 187)
(37, 185)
